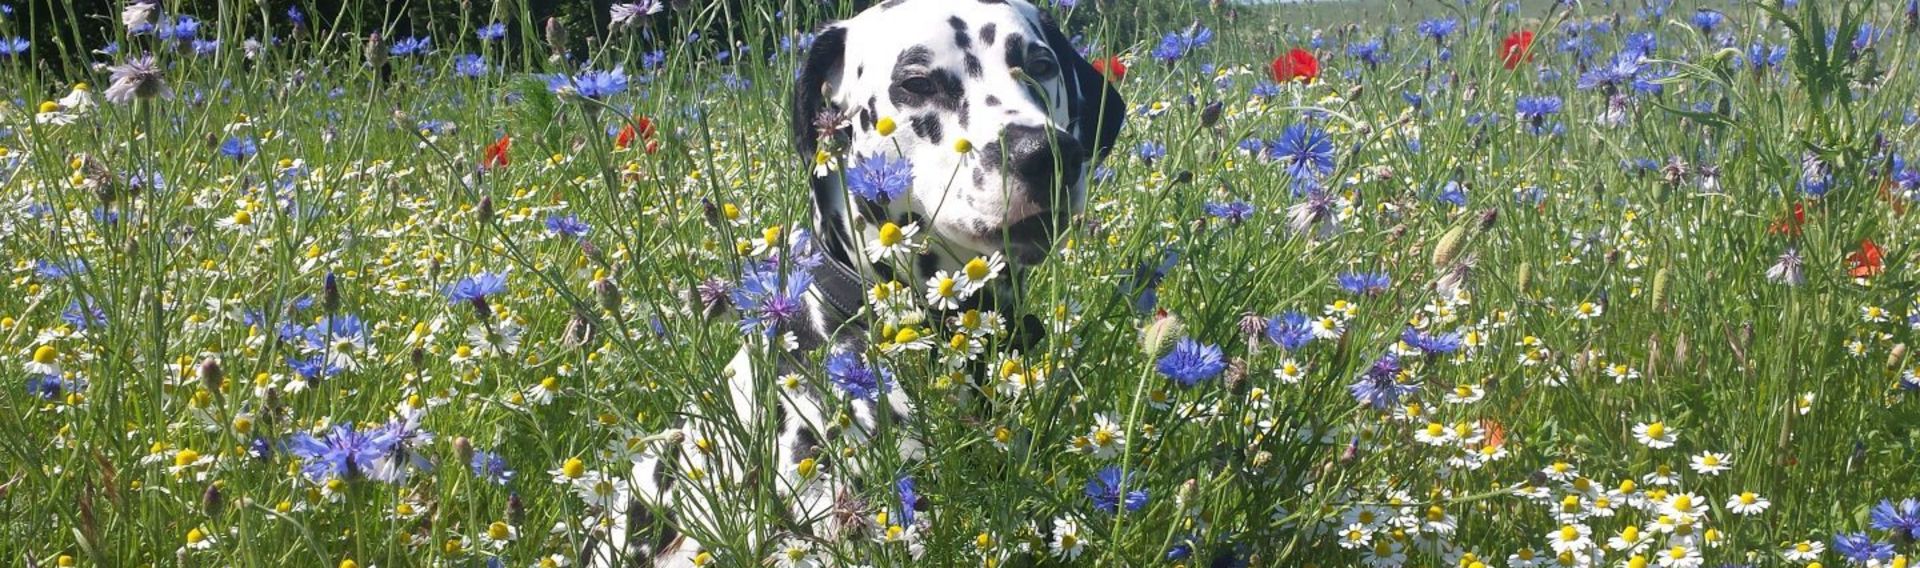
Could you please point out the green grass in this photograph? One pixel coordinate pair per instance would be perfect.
(374, 181)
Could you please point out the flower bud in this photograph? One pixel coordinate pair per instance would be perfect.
(463, 449)
(211, 501)
(1449, 246)
(1210, 115)
(486, 210)
(608, 294)
(211, 377)
(556, 37)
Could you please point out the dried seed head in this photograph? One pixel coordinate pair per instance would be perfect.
(1660, 285)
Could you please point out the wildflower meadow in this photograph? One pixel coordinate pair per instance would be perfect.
(1471, 283)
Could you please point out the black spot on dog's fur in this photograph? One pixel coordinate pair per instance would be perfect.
(859, 71)
(987, 33)
(891, 3)
(974, 69)
(965, 113)
(960, 37)
(993, 101)
(929, 263)
(1016, 50)
(927, 126)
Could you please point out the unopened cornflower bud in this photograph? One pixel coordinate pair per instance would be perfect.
(516, 510)
(1210, 115)
(1449, 246)
(376, 51)
(556, 37)
(211, 501)
(486, 210)
(608, 294)
(1158, 333)
(579, 331)
(463, 449)
(330, 293)
(211, 377)
(592, 251)
(417, 356)
(1488, 217)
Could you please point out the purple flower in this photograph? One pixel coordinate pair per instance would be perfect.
(1380, 387)
(1109, 491)
(341, 453)
(1900, 519)
(1432, 344)
(1290, 331)
(491, 467)
(879, 178)
(566, 225)
(1860, 549)
(138, 78)
(1365, 283)
(767, 298)
(909, 499)
(1235, 211)
(857, 378)
(1191, 362)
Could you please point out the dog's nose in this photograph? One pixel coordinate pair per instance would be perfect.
(1046, 160)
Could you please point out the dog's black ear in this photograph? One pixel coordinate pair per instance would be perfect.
(1095, 106)
(822, 63)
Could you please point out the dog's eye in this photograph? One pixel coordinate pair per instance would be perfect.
(1041, 67)
(919, 86)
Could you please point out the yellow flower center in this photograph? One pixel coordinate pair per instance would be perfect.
(885, 126)
(946, 287)
(45, 354)
(1657, 430)
(890, 235)
(185, 458)
(498, 531)
(1748, 498)
(977, 269)
(573, 468)
(194, 536)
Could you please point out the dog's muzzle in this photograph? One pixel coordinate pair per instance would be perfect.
(1043, 167)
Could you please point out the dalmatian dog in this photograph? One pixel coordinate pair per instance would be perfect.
(1035, 116)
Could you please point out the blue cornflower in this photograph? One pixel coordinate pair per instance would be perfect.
(857, 378)
(1432, 344)
(205, 46)
(1176, 45)
(1453, 193)
(1266, 90)
(1191, 362)
(1816, 179)
(13, 46)
(1253, 145)
(341, 453)
(1370, 52)
(239, 147)
(1624, 68)
(1860, 549)
(490, 466)
(1144, 285)
(1904, 175)
(1307, 151)
(295, 16)
(1708, 20)
(477, 287)
(1902, 519)
(1380, 387)
(491, 32)
(591, 84)
(83, 318)
(1110, 491)
(766, 299)
(1235, 211)
(52, 387)
(334, 330)
(1537, 108)
(1761, 56)
(312, 367)
(1290, 331)
(474, 290)
(260, 448)
(411, 46)
(1151, 151)
(470, 65)
(653, 59)
(59, 270)
(1438, 29)
(1365, 283)
(1866, 36)
(566, 225)
(880, 178)
(183, 29)
(909, 499)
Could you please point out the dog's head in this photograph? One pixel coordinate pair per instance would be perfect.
(998, 74)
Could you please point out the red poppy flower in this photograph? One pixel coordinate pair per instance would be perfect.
(1297, 64)
(1516, 48)
(1868, 261)
(627, 134)
(1112, 68)
(1790, 223)
(496, 153)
